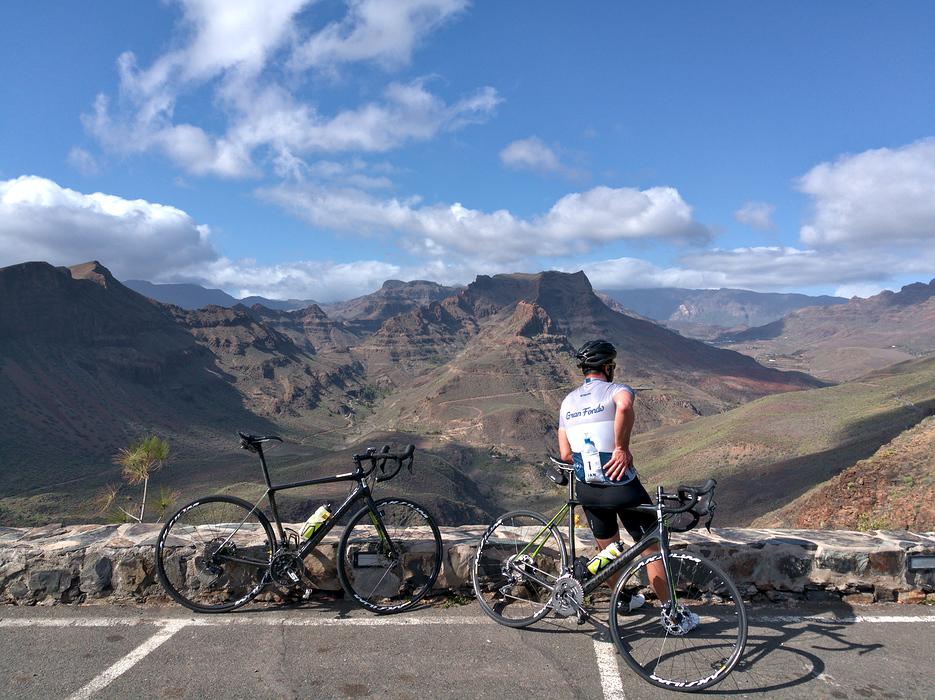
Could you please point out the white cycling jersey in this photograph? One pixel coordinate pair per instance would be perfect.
(589, 411)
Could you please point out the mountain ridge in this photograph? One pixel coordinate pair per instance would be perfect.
(475, 379)
(844, 341)
(726, 308)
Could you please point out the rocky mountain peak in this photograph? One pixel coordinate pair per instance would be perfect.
(78, 304)
(531, 319)
(915, 293)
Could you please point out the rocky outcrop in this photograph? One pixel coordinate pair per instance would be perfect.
(114, 563)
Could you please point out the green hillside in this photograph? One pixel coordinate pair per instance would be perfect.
(766, 453)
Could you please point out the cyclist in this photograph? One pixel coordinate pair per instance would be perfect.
(601, 411)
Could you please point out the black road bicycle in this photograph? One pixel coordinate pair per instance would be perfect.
(218, 553)
(688, 636)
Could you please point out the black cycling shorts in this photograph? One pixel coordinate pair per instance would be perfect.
(604, 504)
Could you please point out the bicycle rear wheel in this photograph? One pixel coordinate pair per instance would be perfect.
(665, 644)
(213, 555)
(390, 575)
(518, 561)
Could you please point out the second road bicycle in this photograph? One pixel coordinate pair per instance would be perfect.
(218, 553)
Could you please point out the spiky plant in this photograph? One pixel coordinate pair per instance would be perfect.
(144, 456)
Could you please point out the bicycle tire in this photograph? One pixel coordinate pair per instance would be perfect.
(193, 548)
(682, 661)
(394, 576)
(505, 594)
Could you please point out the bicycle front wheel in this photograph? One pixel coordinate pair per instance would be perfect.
(685, 644)
(388, 560)
(518, 561)
(213, 555)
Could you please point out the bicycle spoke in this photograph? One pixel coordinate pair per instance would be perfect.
(213, 555)
(517, 563)
(688, 643)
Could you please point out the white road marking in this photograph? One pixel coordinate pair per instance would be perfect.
(129, 661)
(389, 621)
(605, 652)
(241, 620)
(880, 619)
(611, 682)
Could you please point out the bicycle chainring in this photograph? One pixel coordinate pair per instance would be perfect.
(567, 596)
(287, 569)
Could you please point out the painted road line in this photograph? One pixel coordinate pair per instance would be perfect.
(396, 621)
(129, 661)
(241, 620)
(857, 619)
(611, 682)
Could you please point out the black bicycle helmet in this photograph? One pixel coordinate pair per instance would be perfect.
(595, 354)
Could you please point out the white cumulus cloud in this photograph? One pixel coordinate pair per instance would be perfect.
(40, 220)
(756, 214)
(579, 222)
(531, 154)
(535, 155)
(252, 56)
(878, 198)
(376, 30)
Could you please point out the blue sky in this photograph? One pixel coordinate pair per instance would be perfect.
(312, 150)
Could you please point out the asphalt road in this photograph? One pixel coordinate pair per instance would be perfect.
(328, 649)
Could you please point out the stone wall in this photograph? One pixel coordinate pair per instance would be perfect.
(114, 563)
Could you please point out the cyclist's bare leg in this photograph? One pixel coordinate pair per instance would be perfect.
(657, 575)
(656, 570)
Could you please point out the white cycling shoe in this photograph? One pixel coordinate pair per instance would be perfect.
(636, 601)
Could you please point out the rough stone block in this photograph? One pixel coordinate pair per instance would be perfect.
(839, 562)
(321, 568)
(456, 569)
(820, 596)
(912, 597)
(18, 590)
(884, 594)
(858, 598)
(743, 567)
(889, 562)
(133, 575)
(96, 574)
(791, 571)
(52, 583)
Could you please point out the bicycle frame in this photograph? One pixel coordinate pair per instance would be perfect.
(658, 535)
(362, 491)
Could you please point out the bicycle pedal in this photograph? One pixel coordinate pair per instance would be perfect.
(583, 617)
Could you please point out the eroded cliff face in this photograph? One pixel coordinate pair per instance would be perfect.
(87, 364)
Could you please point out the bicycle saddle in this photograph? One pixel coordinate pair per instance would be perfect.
(559, 471)
(252, 442)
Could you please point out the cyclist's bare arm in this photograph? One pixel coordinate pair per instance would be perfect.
(623, 427)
